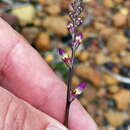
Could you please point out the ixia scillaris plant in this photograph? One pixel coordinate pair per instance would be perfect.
(77, 37)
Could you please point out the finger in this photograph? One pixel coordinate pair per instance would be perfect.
(80, 119)
(24, 73)
(16, 114)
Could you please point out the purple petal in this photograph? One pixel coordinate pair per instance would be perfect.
(67, 60)
(79, 35)
(79, 21)
(82, 86)
(75, 44)
(79, 89)
(61, 51)
(70, 26)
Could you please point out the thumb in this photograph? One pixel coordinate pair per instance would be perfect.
(16, 114)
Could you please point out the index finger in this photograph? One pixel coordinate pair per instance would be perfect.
(24, 73)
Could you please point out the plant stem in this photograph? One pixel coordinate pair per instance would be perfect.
(69, 84)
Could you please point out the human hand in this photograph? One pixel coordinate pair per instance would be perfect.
(24, 74)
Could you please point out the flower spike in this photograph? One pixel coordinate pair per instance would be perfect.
(77, 37)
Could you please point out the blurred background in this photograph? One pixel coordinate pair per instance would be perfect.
(102, 60)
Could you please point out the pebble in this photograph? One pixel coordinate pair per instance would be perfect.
(64, 4)
(37, 22)
(30, 33)
(56, 25)
(113, 89)
(125, 60)
(10, 19)
(88, 73)
(111, 128)
(48, 2)
(109, 80)
(92, 109)
(101, 92)
(90, 94)
(118, 1)
(122, 99)
(119, 20)
(103, 104)
(49, 58)
(75, 81)
(101, 58)
(115, 118)
(83, 56)
(108, 3)
(43, 41)
(20, 12)
(107, 32)
(53, 10)
(128, 128)
(117, 43)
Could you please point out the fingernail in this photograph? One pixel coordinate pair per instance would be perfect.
(51, 127)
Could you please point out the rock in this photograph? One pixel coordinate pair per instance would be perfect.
(83, 56)
(48, 2)
(127, 4)
(115, 118)
(101, 92)
(117, 43)
(53, 10)
(118, 1)
(109, 80)
(56, 25)
(30, 33)
(122, 99)
(102, 128)
(64, 4)
(113, 89)
(103, 104)
(125, 60)
(124, 11)
(107, 32)
(43, 42)
(101, 58)
(111, 128)
(37, 22)
(20, 12)
(49, 58)
(119, 20)
(99, 26)
(89, 94)
(92, 109)
(108, 3)
(75, 81)
(89, 73)
(10, 19)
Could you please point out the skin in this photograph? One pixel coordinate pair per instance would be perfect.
(31, 95)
